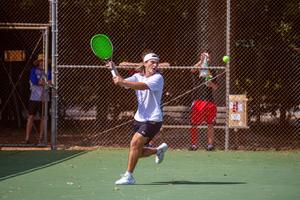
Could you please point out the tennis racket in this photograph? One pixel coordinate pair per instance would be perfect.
(102, 47)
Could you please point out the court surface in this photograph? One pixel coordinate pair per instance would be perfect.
(184, 175)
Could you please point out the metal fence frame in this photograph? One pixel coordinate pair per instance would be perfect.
(54, 31)
(44, 28)
(213, 30)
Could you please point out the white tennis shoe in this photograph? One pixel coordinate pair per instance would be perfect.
(125, 179)
(161, 149)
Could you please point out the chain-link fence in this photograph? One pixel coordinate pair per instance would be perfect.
(23, 35)
(261, 37)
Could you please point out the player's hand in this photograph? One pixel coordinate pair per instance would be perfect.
(42, 82)
(209, 84)
(212, 85)
(194, 71)
(118, 80)
(110, 65)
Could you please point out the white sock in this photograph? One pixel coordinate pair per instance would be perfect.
(127, 173)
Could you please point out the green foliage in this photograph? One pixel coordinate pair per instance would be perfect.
(123, 12)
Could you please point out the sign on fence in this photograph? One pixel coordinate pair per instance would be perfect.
(14, 55)
(238, 111)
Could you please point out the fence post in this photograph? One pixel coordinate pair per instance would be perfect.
(54, 74)
(227, 73)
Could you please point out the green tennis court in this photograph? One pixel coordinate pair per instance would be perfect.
(183, 175)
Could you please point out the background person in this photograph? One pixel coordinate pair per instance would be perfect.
(204, 108)
(38, 96)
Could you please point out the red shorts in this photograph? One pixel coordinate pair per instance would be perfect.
(203, 111)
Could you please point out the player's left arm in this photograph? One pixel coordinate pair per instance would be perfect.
(118, 80)
(130, 82)
(153, 83)
(131, 64)
(213, 83)
(164, 64)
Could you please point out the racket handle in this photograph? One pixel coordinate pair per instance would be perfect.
(113, 72)
(113, 69)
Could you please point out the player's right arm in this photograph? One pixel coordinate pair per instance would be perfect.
(129, 82)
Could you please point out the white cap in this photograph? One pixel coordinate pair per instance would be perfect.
(151, 56)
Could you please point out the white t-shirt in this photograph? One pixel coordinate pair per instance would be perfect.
(149, 101)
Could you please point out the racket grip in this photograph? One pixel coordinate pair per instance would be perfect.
(113, 69)
(113, 72)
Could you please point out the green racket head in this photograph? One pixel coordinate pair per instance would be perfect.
(102, 46)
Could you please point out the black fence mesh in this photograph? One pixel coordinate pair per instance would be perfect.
(15, 36)
(25, 11)
(265, 58)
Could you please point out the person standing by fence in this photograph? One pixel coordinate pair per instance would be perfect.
(204, 108)
(38, 96)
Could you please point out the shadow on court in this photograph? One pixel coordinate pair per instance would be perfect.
(16, 163)
(193, 183)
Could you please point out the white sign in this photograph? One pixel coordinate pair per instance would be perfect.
(235, 117)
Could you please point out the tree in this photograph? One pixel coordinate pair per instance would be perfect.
(271, 65)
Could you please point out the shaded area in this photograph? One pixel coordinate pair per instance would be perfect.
(264, 65)
(193, 183)
(15, 163)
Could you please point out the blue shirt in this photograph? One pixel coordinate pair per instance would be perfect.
(38, 91)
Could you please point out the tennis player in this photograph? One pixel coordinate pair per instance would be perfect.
(139, 67)
(148, 86)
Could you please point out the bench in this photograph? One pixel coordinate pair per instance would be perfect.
(179, 117)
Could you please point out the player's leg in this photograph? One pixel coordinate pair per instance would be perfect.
(149, 130)
(151, 143)
(211, 117)
(159, 152)
(42, 121)
(194, 138)
(197, 118)
(136, 148)
(31, 113)
(29, 125)
(42, 125)
(135, 152)
(145, 131)
(193, 130)
(148, 151)
(210, 137)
